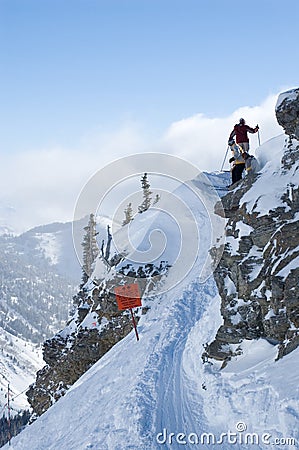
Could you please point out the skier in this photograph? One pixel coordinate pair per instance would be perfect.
(251, 164)
(237, 161)
(241, 131)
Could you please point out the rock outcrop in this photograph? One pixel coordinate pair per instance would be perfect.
(287, 112)
(96, 326)
(258, 274)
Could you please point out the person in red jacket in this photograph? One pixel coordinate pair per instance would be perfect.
(241, 131)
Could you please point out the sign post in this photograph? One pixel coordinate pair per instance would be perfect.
(134, 324)
(128, 297)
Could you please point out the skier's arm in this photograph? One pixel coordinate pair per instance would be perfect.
(232, 135)
(252, 130)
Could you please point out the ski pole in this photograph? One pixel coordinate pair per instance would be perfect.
(258, 135)
(224, 158)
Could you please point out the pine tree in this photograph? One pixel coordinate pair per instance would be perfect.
(90, 248)
(147, 199)
(128, 214)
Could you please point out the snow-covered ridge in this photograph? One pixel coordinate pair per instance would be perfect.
(164, 391)
(133, 254)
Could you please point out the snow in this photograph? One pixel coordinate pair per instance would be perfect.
(69, 329)
(233, 245)
(19, 362)
(292, 265)
(140, 392)
(221, 181)
(49, 245)
(157, 392)
(265, 195)
(100, 270)
(229, 286)
(252, 388)
(244, 229)
(234, 242)
(290, 95)
(271, 150)
(91, 321)
(270, 314)
(177, 231)
(236, 318)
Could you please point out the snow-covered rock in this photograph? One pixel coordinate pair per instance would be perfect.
(260, 259)
(287, 112)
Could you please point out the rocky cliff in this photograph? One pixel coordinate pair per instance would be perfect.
(257, 277)
(258, 274)
(96, 326)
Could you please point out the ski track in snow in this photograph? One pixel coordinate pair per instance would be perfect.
(168, 395)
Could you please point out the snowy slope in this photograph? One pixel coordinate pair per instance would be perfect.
(139, 389)
(35, 301)
(158, 393)
(266, 193)
(19, 361)
(55, 243)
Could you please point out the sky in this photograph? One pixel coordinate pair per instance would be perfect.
(84, 82)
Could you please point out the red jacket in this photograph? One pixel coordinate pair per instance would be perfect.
(240, 131)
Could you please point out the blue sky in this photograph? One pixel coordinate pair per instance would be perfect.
(93, 75)
(70, 66)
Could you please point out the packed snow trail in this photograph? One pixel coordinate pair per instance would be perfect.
(162, 384)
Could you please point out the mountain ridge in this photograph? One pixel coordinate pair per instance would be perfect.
(160, 388)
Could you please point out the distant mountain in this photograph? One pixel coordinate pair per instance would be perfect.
(7, 216)
(53, 243)
(19, 361)
(35, 298)
(39, 275)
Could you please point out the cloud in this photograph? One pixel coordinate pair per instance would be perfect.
(203, 140)
(42, 185)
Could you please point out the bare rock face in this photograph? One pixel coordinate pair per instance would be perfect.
(258, 274)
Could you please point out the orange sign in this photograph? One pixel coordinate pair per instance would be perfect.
(128, 296)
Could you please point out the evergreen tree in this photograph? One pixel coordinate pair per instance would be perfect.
(147, 193)
(128, 214)
(90, 248)
(11, 427)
